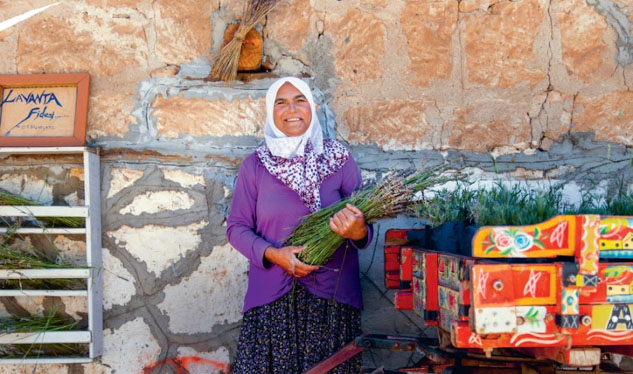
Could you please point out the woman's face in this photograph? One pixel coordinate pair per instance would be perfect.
(291, 112)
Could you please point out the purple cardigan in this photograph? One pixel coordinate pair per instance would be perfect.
(264, 212)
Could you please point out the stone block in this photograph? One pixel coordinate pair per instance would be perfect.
(212, 295)
(609, 116)
(118, 282)
(289, 24)
(158, 201)
(83, 41)
(127, 349)
(215, 362)
(7, 54)
(70, 250)
(27, 186)
(185, 180)
(109, 114)
(467, 6)
(183, 30)
(588, 44)
(359, 40)
(158, 246)
(485, 125)
(429, 28)
(393, 124)
(121, 178)
(200, 117)
(500, 46)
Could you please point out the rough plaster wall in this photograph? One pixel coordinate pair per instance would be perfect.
(509, 90)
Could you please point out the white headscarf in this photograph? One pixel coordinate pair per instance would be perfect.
(300, 165)
(279, 143)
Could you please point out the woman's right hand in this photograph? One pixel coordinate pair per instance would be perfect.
(285, 258)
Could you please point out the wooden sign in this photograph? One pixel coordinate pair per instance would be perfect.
(43, 109)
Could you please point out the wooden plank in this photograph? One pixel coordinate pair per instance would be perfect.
(43, 211)
(44, 230)
(552, 238)
(93, 252)
(431, 300)
(406, 263)
(52, 360)
(342, 355)
(587, 247)
(403, 300)
(577, 357)
(50, 337)
(57, 293)
(45, 150)
(44, 273)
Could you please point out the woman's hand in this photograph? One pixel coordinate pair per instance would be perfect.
(285, 258)
(349, 223)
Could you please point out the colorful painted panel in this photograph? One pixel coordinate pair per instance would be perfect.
(492, 285)
(534, 284)
(587, 252)
(554, 237)
(569, 301)
(449, 299)
(495, 320)
(531, 319)
(445, 319)
(418, 264)
(612, 317)
(448, 270)
(616, 237)
(418, 296)
(618, 280)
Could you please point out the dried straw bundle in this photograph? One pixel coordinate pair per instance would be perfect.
(388, 198)
(225, 64)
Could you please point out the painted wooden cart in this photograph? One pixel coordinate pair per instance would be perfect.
(561, 289)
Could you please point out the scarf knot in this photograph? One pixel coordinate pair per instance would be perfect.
(305, 173)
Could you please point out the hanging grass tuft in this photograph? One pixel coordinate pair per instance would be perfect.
(387, 198)
(40, 324)
(224, 66)
(17, 253)
(7, 198)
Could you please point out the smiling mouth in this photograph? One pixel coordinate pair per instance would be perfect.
(294, 120)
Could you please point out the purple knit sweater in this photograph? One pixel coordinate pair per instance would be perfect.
(264, 212)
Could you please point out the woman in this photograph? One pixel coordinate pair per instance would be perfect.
(295, 314)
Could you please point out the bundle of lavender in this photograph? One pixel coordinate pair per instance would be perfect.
(388, 198)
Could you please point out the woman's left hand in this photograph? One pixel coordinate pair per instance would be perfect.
(349, 223)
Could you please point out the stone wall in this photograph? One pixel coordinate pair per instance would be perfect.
(526, 89)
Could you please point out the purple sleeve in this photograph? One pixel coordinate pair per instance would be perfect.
(241, 222)
(352, 181)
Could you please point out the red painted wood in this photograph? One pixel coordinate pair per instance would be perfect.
(431, 280)
(406, 263)
(403, 300)
(342, 355)
(485, 278)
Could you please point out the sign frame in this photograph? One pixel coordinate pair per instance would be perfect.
(44, 86)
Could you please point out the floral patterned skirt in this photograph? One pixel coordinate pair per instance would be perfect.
(295, 332)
